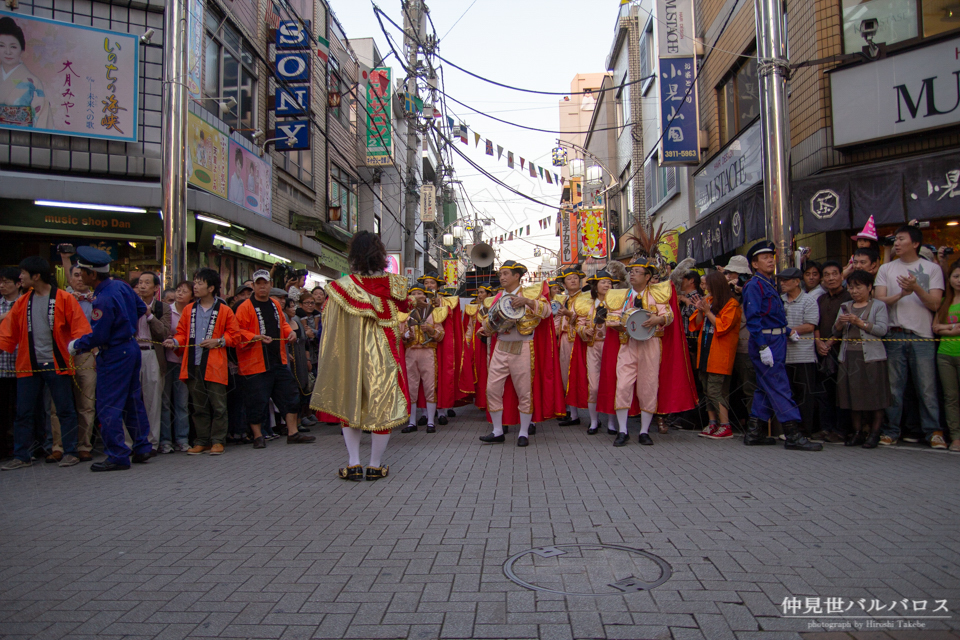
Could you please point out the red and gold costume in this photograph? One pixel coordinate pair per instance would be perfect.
(422, 346)
(473, 360)
(364, 379)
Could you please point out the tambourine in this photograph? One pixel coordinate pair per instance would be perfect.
(633, 320)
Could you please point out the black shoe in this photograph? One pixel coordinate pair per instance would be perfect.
(612, 432)
(108, 466)
(569, 423)
(796, 441)
(353, 474)
(506, 428)
(141, 458)
(441, 419)
(872, 441)
(522, 441)
(622, 440)
(260, 443)
(422, 421)
(532, 431)
(451, 413)
(753, 435)
(303, 429)
(492, 439)
(592, 431)
(431, 428)
(410, 428)
(645, 439)
(855, 439)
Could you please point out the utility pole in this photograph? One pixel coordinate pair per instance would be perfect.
(774, 124)
(412, 23)
(173, 180)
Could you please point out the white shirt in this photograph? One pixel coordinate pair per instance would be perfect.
(909, 312)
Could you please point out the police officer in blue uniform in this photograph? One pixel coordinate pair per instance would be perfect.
(116, 311)
(767, 324)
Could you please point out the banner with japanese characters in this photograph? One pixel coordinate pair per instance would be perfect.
(251, 180)
(680, 143)
(68, 79)
(194, 47)
(207, 157)
(593, 233)
(379, 136)
(569, 253)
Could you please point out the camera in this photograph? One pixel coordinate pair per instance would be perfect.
(947, 251)
(887, 241)
(869, 28)
(66, 248)
(286, 272)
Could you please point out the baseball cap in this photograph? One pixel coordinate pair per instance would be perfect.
(261, 273)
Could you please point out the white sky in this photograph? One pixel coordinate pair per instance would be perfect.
(533, 44)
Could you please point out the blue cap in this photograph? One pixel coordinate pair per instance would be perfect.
(93, 259)
(764, 246)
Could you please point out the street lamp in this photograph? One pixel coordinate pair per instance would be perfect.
(457, 232)
(448, 239)
(595, 173)
(576, 168)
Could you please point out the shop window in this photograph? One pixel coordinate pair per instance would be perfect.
(738, 99)
(229, 70)
(647, 59)
(343, 192)
(899, 21)
(660, 184)
(336, 84)
(299, 164)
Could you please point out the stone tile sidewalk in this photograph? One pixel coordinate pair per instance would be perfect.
(270, 544)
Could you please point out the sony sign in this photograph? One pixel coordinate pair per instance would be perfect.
(675, 34)
(913, 91)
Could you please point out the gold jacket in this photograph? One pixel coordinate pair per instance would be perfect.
(528, 323)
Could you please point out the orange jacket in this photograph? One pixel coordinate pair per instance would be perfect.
(726, 335)
(251, 356)
(69, 324)
(214, 362)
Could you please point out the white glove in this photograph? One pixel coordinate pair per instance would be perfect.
(70, 348)
(794, 336)
(766, 356)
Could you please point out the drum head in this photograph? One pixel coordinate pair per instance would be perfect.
(633, 322)
(508, 309)
(555, 307)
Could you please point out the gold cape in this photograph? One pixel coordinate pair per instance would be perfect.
(360, 380)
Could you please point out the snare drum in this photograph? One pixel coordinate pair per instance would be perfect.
(633, 320)
(503, 315)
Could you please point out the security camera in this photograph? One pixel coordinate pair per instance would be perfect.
(258, 135)
(147, 36)
(226, 106)
(869, 28)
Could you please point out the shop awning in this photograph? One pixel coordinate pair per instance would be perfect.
(736, 223)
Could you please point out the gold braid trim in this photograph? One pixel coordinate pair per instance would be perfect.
(364, 313)
(387, 427)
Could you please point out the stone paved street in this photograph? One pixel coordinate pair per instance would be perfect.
(270, 544)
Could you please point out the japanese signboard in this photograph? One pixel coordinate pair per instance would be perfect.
(194, 46)
(675, 35)
(69, 79)
(679, 116)
(593, 233)
(250, 181)
(569, 253)
(428, 203)
(451, 272)
(207, 162)
(379, 124)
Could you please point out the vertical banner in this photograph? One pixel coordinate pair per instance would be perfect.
(68, 79)
(451, 272)
(679, 116)
(568, 238)
(194, 46)
(379, 120)
(675, 34)
(428, 203)
(593, 233)
(250, 181)
(207, 156)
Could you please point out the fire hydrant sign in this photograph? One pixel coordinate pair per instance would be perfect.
(68, 79)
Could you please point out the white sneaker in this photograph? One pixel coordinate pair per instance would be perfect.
(181, 447)
(166, 447)
(16, 463)
(69, 461)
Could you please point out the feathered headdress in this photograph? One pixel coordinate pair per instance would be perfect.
(648, 251)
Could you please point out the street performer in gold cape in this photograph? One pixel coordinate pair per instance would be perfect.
(362, 376)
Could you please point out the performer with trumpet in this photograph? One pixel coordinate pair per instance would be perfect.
(422, 332)
(565, 321)
(449, 352)
(473, 361)
(524, 350)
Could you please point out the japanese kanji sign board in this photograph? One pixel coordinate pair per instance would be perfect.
(679, 117)
(379, 119)
(69, 79)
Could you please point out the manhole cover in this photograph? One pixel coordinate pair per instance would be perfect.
(587, 569)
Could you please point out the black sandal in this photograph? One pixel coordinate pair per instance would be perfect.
(354, 473)
(375, 473)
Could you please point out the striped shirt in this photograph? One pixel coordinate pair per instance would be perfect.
(803, 310)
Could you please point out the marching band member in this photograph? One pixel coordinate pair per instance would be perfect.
(638, 363)
(448, 353)
(473, 363)
(593, 319)
(422, 332)
(565, 320)
(767, 324)
(525, 352)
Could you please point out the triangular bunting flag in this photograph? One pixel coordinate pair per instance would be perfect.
(463, 133)
(549, 181)
(533, 171)
(511, 236)
(450, 123)
(499, 151)
(556, 179)
(528, 229)
(510, 159)
(521, 163)
(476, 139)
(562, 180)
(489, 148)
(540, 171)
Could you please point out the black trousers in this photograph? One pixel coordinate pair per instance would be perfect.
(807, 391)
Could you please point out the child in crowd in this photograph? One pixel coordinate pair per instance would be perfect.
(862, 384)
(717, 318)
(945, 324)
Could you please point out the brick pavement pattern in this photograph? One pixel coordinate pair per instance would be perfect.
(271, 544)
